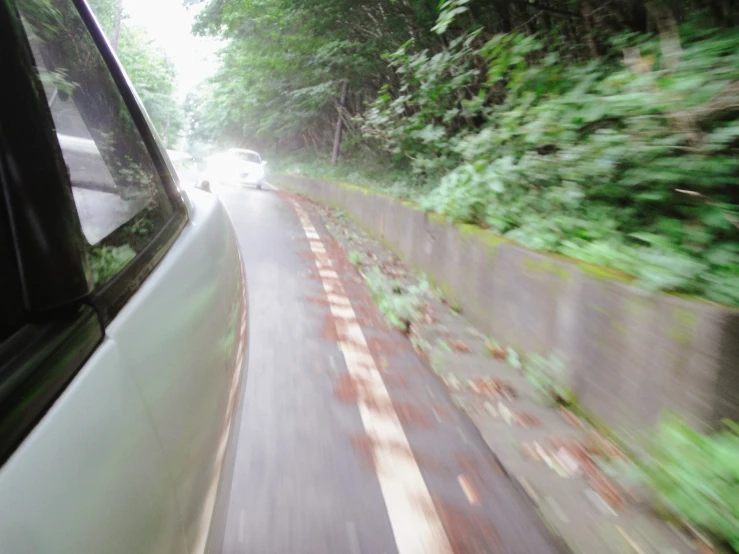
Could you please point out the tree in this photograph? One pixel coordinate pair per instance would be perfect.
(283, 66)
(153, 74)
(606, 132)
(150, 69)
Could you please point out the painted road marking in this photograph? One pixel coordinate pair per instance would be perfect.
(469, 490)
(416, 525)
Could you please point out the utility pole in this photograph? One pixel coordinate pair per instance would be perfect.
(339, 125)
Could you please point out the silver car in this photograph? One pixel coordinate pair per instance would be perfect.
(237, 166)
(124, 316)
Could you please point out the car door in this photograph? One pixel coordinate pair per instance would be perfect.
(134, 390)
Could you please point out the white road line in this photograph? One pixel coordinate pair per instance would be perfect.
(469, 490)
(416, 525)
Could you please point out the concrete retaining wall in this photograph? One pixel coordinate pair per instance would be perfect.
(629, 353)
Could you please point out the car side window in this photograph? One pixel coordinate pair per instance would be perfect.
(119, 195)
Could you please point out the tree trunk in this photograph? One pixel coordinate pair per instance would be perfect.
(504, 11)
(339, 125)
(586, 16)
(117, 25)
(638, 16)
(546, 18)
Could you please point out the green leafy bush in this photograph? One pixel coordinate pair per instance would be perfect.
(400, 305)
(548, 376)
(696, 476)
(355, 257)
(631, 165)
(369, 172)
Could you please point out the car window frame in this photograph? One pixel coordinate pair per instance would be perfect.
(112, 296)
(57, 331)
(61, 330)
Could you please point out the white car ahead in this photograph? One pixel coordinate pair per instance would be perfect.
(236, 166)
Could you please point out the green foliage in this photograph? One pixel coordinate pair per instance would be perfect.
(696, 476)
(438, 356)
(578, 133)
(153, 74)
(355, 257)
(448, 11)
(417, 124)
(284, 61)
(150, 69)
(107, 261)
(400, 305)
(512, 358)
(632, 166)
(548, 376)
(370, 172)
(420, 345)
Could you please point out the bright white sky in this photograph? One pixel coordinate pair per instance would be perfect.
(169, 23)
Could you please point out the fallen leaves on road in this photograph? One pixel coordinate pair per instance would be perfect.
(488, 386)
(526, 420)
(468, 530)
(570, 457)
(428, 315)
(571, 418)
(458, 346)
(523, 419)
(496, 350)
(452, 382)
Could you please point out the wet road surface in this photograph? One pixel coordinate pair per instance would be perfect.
(313, 473)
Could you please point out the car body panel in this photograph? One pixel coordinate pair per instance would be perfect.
(183, 337)
(91, 476)
(130, 456)
(125, 447)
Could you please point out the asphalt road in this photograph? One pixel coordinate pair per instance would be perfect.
(308, 478)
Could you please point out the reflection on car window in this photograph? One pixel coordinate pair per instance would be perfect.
(117, 191)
